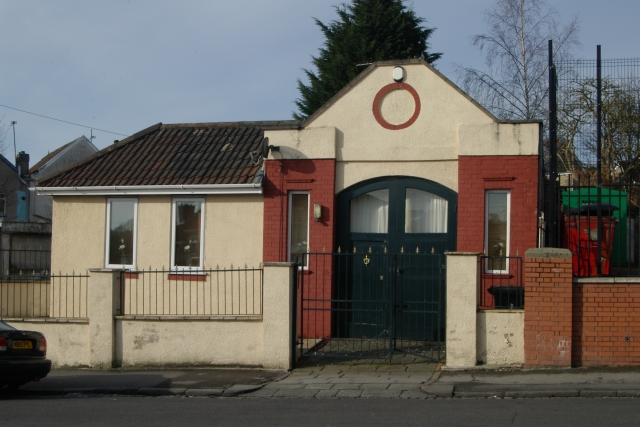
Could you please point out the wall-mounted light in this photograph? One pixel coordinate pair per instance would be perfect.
(399, 74)
(317, 211)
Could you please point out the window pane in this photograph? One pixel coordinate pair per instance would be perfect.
(497, 232)
(187, 238)
(369, 212)
(299, 226)
(121, 232)
(425, 212)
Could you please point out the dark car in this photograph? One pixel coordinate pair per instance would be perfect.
(22, 357)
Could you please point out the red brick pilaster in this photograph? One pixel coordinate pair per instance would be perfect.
(548, 289)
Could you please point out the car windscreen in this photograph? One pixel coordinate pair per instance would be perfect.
(5, 327)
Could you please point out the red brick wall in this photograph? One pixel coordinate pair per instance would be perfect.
(605, 315)
(569, 323)
(282, 176)
(318, 178)
(476, 175)
(548, 315)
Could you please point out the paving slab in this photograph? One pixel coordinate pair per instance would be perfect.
(381, 393)
(296, 393)
(349, 393)
(280, 386)
(318, 386)
(263, 392)
(375, 386)
(598, 393)
(207, 392)
(628, 393)
(444, 390)
(404, 386)
(161, 391)
(529, 394)
(327, 393)
(413, 394)
(238, 389)
(346, 387)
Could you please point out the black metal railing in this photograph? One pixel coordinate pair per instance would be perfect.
(58, 296)
(591, 165)
(501, 282)
(23, 262)
(219, 292)
(69, 295)
(370, 305)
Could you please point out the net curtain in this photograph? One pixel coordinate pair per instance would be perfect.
(424, 212)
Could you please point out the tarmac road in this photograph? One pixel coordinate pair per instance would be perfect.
(111, 410)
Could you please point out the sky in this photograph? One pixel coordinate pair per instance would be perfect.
(124, 65)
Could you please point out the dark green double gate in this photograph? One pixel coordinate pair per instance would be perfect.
(372, 304)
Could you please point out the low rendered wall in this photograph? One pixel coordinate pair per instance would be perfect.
(104, 339)
(500, 339)
(146, 342)
(67, 341)
(492, 337)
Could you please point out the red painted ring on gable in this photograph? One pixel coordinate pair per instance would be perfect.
(388, 88)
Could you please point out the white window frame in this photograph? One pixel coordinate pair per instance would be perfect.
(108, 233)
(174, 203)
(290, 197)
(486, 231)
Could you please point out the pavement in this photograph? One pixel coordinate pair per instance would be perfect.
(170, 382)
(410, 379)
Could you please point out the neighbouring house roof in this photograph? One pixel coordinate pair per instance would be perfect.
(47, 158)
(11, 165)
(58, 153)
(195, 158)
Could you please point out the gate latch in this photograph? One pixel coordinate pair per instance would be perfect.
(400, 270)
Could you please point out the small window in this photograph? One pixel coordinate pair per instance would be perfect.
(2, 205)
(298, 226)
(187, 233)
(121, 233)
(497, 230)
(369, 212)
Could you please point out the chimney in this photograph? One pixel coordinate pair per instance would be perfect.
(22, 163)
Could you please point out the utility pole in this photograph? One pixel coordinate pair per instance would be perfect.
(15, 152)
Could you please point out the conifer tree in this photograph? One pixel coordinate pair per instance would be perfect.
(365, 31)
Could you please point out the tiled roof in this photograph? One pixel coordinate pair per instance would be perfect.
(178, 154)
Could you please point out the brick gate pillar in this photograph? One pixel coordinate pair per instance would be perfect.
(548, 309)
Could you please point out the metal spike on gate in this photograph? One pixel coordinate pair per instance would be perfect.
(433, 250)
(21, 272)
(339, 250)
(517, 253)
(369, 249)
(417, 250)
(354, 249)
(324, 249)
(402, 250)
(385, 249)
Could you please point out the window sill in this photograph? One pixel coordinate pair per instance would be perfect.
(188, 277)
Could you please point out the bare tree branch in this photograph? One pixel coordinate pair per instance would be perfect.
(515, 47)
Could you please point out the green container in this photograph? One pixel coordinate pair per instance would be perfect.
(586, 196)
